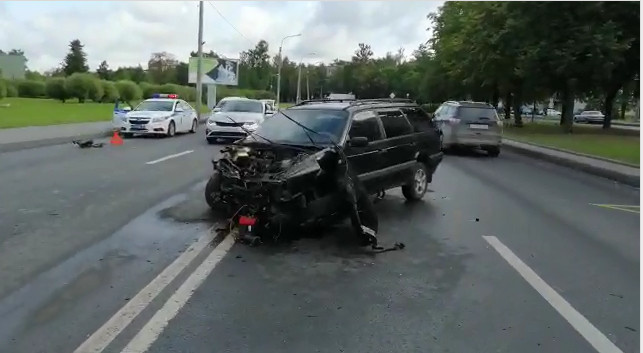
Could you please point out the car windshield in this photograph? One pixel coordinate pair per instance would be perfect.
(246, 106)
(476, 113)
(280, 129)
(155, 106)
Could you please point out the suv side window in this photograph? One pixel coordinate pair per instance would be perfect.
(365, 124)
(418, 118)
(395, 123)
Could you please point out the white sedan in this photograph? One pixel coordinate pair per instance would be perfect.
(162, 115)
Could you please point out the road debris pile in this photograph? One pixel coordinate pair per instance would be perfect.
(87, 144)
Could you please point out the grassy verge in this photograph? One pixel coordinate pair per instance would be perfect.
(614, 144)
(20, 112)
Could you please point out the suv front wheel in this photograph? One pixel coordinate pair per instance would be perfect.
(417, 186)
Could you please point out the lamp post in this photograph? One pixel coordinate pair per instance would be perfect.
(280, 64)
(301, 62)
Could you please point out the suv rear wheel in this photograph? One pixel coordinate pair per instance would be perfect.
(417, 186)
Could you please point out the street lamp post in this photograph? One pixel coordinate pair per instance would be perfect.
(280, 64)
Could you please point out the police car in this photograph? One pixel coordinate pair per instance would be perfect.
(163, 114)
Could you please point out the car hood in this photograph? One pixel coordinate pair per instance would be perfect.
(239, 117)
(306, 165)
(147, 114)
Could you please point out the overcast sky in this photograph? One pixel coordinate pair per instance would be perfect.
(125, 33)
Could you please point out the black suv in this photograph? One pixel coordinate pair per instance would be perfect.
(321, 159)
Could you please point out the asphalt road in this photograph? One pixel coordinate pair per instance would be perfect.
(102, 251)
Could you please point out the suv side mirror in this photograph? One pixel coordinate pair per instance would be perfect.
(127, 109)
(358, 141)
(178, 110)
(216, 109)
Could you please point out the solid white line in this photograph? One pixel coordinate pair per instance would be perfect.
(117, 323)
(151, 331)
(169, 157)
(595, 337)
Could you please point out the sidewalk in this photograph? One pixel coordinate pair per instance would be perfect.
(37, 136)
(620, 172)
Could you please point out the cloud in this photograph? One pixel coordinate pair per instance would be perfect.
(125, 33)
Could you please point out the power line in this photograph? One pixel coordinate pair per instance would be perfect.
(228, 22)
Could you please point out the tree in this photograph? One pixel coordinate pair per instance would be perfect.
(16, 52)
(128, 91)
(81, 85)
(55, 88)
(3, 89)
(363, 54)
(161, 67)
(110, 93)
(76, 59)
(103, 71)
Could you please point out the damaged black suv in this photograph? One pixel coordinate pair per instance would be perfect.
(320, 161)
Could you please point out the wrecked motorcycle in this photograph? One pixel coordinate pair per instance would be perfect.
(268, 190)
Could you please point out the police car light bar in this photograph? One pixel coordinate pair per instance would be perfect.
(161, 95)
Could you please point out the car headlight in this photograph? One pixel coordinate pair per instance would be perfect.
(251, 125)
(159, 119)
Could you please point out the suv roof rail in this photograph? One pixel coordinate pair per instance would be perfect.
(354, 102)
(325, 100)
(382, 100)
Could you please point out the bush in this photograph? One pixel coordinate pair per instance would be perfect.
(55, 88)
(3, 89)
(110, 93)
(430, 107)
(31, 89)
(96, 90)
(148, 89)
(12, 89)
(81, 85)
(128, 91)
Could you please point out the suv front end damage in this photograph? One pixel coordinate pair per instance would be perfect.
(270, 190)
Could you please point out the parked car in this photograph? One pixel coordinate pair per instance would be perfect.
(469, 124)
(318, 161)
(553, 112)
(161, 115)
(590, 117)
(234, 119)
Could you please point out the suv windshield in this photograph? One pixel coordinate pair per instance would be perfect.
(326, 122)
(245, 106)
(155, 106)
(476, 113)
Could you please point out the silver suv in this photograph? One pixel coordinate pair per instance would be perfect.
(469, 124)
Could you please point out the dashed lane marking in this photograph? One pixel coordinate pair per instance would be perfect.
(169, 157)
(626, 208)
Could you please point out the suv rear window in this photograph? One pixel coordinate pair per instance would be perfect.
(476, 113)
(395, 124)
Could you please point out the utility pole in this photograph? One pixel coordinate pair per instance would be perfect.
(298, 85)
(199, 69)
(307, 86)
(279, 67)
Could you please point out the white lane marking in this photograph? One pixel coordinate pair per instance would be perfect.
(151, 331)
(595, 337)
(119, 321)
(169, 157)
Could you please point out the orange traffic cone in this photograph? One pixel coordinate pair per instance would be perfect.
(116, 139)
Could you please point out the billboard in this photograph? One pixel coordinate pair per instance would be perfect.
(216, 71)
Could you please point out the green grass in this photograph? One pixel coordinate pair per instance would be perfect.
(615, 144)
(21, 112)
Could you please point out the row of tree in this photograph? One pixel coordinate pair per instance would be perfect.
(514, 52)
(529, 51)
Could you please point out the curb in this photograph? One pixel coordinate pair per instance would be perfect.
(25, 145)
(622, 177)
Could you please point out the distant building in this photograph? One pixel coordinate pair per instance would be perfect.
(13, 67)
